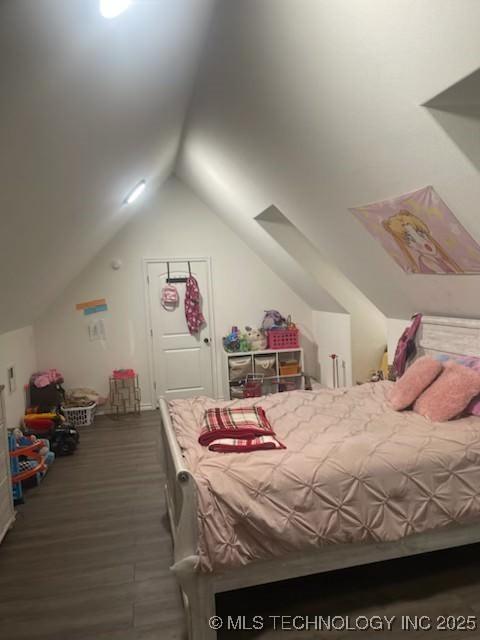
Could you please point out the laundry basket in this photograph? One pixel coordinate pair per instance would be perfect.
(80, 416)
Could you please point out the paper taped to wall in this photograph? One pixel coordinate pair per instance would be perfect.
(97, 309)
(91, 303)
(96, 330)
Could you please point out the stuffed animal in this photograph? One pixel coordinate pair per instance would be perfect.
(273, 320)
(256, 338)
(231, 342)
(244, 343)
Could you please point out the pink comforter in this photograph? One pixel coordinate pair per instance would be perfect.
(354, 470)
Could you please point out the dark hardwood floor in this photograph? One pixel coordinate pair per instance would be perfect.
(89, 557)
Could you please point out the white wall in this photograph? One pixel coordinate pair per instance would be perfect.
(333, 335)
(17, 348)
(395, 328)
(173, 223)
(365, 323)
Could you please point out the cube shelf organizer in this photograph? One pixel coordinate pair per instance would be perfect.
(255, 373)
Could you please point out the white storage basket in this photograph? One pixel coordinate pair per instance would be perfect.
(80, 416)
(239, 367)
(266, 365)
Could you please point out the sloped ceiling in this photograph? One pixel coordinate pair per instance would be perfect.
(89, 106)
(317, 107)
(457, 110)
(314, 105)
(464, 95)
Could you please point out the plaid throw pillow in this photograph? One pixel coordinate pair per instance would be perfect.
(238, 429)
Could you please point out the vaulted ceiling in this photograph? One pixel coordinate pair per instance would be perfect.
(89, 106)
(313, 106)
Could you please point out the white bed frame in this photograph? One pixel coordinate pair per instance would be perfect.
(437, 335)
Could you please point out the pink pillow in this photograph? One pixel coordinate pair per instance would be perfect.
(472, 363)
(415, 380)
(473, 408)
(450, 394)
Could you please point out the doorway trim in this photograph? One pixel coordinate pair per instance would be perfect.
(149, 327)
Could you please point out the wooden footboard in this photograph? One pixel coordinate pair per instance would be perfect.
(181, 499)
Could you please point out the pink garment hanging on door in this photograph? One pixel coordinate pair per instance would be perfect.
(193, 312)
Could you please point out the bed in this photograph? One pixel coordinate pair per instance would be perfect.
(358, 483)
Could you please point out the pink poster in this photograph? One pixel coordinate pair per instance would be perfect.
(421, 234)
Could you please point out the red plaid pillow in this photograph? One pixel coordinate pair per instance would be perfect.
(237, 422)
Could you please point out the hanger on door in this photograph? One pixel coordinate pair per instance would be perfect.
(174, 280)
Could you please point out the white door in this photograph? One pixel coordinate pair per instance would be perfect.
(183, 364)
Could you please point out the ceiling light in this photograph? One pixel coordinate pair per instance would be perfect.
(135, 192)
(113, 8)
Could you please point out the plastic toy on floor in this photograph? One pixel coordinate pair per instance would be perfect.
(41, 424)
(29, 461)
(26, 440)
(63, 437)
(44, 451)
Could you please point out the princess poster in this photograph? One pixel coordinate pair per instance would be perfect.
(421, 234)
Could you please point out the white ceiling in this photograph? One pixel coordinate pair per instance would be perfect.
(462, 95)
(89, 106)
(316, 106)
(457, 110)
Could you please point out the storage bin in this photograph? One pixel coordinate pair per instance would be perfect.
(253, 386)
(265, 365)
(288, 385)
(289, 368)
(239, 368)
(283, 339)
(80, 416)
(236, 391)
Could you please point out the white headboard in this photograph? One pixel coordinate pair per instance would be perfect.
(459, 336)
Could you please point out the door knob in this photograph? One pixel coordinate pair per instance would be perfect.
(206, 340)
